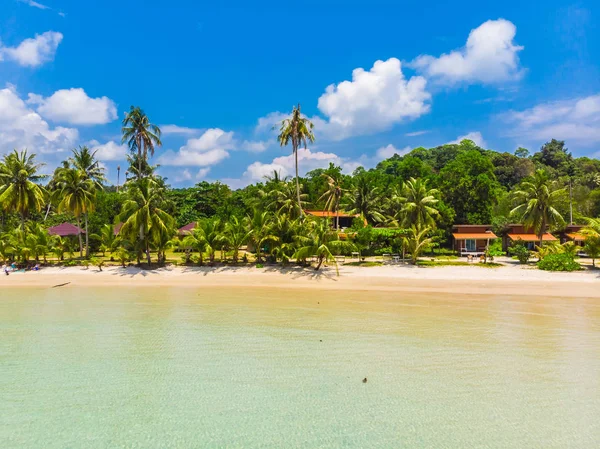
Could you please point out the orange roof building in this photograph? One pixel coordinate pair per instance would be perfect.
(472, 239)
(520, 233)
(345, 219)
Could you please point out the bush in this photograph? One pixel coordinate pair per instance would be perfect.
(558, 262)
(520, 252)
(495, 248)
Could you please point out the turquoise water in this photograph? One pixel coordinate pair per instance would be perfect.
(253, 368)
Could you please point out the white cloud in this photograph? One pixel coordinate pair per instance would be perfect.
(34, 4)
(416, 133)
(109, 151)
(202, 173)
(210, 148)
(389, 150)
(373, 101)
(270, 122)
(34, 51)
(21, 127)
(179, 130)
(254, 146)
(75, 107)
(489, 56)
(576, 119)
(475, 136)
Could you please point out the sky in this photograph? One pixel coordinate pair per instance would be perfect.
(376, 78)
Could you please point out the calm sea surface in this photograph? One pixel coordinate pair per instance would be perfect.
(257, 368)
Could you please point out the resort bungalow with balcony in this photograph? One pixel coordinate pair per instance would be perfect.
(525, 235)
(472, 240)
(572, 233)
(345, 219)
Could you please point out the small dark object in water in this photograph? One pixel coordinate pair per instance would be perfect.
(60, 285)
(321, 341)
(365, 380)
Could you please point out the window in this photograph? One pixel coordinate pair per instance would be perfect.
(470, 245)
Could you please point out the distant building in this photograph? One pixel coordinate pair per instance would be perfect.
(187, 229)
(472, 240)
(572, 233)
(65, 229)
(527, 236)
(344, 218)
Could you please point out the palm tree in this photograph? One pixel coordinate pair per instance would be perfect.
(416, 242)
(85, 161)
(287, 231)
(19, 191)
(108, 239)
(321, 242)
(142, 215)
(365, 199)
(296, 130)
(140, 135)
(332, 197)
(537, 201)
(235, 235)
(418, 205)
(77, 193)
(262, 232)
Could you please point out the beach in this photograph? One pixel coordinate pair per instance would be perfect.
(510, 279)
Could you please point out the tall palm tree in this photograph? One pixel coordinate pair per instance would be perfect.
(140, 135)
(19, 191)
(332, 197)
(77, 194)
(85, 161)
(142, 216)
(418, 205)
(296, 130)
(537, 201)
(365, 199)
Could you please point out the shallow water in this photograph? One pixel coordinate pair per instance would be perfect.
(257, 368)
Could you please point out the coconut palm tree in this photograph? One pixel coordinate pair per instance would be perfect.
(416, 242)
(236, 234)
(537, 203)
(85, 161)
(140, 135)
(77, 194)
(262, 232)
(108, 240)
(296, 130)
(332, 197)
(321, 242)
(365, 199)
(19, 191)
(142, 216)
(418, 205)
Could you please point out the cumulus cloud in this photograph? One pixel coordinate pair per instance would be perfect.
(254, 146)
(22, 127)
(389, 150)
(109, 151)
(179, 130)
(34, 4)
(489, 56)
(576, 119)
(475, 136)
(210, 148)
(373, 101)
(75, 107)
(34, 51)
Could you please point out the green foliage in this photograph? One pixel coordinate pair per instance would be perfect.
(520, 252)
(558, 262)
(495, 248)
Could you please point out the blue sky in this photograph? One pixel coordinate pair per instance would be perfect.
(376, 78)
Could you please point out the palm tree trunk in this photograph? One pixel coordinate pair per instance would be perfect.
(297, 181)
(321, 258)
(148, 251)
(23, 222)
(139, 158)
(87, 238)
(80, 239)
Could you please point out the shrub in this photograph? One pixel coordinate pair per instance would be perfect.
(495, 248)
(521, 252)
(558, 262)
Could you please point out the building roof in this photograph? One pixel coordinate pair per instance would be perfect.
(187, 229)
(576, 236)
(532, 237)
(117, 228)
(474, 235)
(65, 229)
(471, 226)
(330, 214)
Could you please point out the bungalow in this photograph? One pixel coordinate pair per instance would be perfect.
(65, 229)
(187, 229)
(572, 233)
(472, 240)
(527, 236)
(345, 219)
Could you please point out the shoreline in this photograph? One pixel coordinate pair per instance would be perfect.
(512, 280)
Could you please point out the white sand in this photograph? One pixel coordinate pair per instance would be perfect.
(510, 279)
